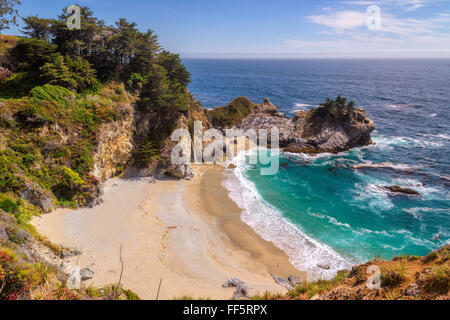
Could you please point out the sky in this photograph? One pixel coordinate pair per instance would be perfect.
(278, 28)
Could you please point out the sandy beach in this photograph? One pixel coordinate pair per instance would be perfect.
(187, 233)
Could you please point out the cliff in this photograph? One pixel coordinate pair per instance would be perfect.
(318, 130)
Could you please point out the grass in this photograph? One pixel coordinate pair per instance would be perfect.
(232, 114)
(310, 289)
(130, 295)
(42, 272)
(430, 257)
(267, 295)
(394, 277)
(438, 280)
(190, 298)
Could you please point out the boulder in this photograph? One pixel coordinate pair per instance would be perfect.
(413, 290)
(3, 235)
(241, 291)
(232, 282)
(182, 171)
(294, 280)
(323, 266)
(68, 253)
(283, 282)
(398, 189)
(232, 166)
(266, 107)
(36, 195)
(86, 274)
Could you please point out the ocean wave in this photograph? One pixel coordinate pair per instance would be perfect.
(304, 252)
(384, 232)
(386, 165)
(405, 141)
(332, 220)
(369, 195)
(301, 106)
(401, 105)
(310, 158)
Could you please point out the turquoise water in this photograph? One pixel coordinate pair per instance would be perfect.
(330, 209)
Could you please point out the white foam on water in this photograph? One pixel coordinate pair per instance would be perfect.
(304, 252)
(400, 105)
(405, 141)
(396, 166)
(301, 106)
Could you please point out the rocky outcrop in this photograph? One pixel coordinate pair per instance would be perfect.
(315, 131)
(36, 195)
(398, 189)
(241, 288)
(156, 128)
(115, 146)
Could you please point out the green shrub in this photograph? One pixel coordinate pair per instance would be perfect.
(430, 257)
(233, 113)
(130, 295)
(392, 278)
(147, 151)
(52, 93)
(17, 85)
(8, 204)
(318, 287)
(438, 280)
(82, 160)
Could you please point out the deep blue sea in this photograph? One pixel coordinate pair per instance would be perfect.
(320, 214)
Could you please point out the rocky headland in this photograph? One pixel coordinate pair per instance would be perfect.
(323, 129)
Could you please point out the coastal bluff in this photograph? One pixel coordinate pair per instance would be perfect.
(323, 129)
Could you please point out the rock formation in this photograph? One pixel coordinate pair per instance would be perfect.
(315, 131)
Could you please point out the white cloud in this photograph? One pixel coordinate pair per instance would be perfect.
(340, 20)
(345, 33)
(407, 5)
(348, 20)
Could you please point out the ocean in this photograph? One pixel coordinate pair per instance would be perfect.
(329, 209)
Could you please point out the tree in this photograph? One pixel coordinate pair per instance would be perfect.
(8, 13)
(37, 28)
(160, 94)
(175, 69)
(74, 74)
(58, 73)
(82, 42)
(30, 54)
(340, 104)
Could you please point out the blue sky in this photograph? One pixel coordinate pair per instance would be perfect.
(277, 28)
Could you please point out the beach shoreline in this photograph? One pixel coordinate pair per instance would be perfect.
(187, 234)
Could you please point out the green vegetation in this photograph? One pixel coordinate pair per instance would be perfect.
(267, 295)
(232, 114)
(52, 93)
(317, 287)
(430, 257)
(438, 280)
(130, 295)
(8, 204)
(147, 152)
(58, 88)
(394, 277)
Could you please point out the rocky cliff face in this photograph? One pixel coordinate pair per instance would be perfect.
(315, 131)
(115, 146)
(152, 144)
